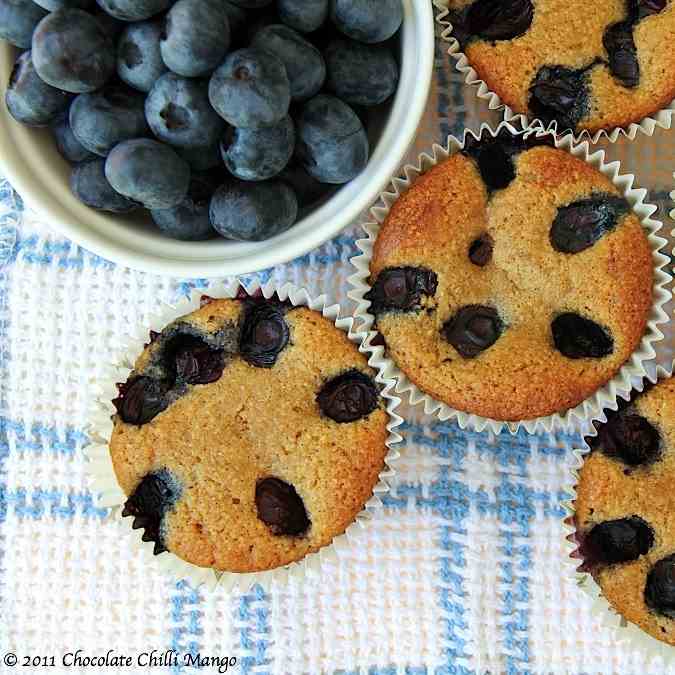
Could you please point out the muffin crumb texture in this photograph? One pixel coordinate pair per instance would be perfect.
(624, 510)
(249, 434)
(512, 280)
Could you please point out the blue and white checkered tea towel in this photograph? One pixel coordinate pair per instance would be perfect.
(462, 575)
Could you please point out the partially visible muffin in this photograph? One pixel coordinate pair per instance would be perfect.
(249, 434)
(586, 65)
(624, 510)
(511, 280)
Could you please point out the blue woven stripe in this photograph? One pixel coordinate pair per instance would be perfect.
(40, 503)
(253, 612)
(4, 446)
(66, 255)
(62, 252)
(186, 618)
(388, 670)
(447, 436)
(9, 196)
(515, 505)
(40, 438)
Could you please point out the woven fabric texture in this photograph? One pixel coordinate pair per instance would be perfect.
(463, 573)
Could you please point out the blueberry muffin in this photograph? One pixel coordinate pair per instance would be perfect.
(249, 434)
(624, 508)
(592, 66)
(511, 280)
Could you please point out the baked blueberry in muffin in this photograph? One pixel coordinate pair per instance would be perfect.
(249, 434)
(585, 65)
(511, 280)
(624, 509)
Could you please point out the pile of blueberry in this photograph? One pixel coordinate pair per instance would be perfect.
(219, 117)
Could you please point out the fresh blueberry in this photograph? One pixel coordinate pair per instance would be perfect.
(251, 4)
(189, 221)
(107, 117)
(148, 172)
(257, 21)
(258, 154)
(72, 52)
(202, 157)
(133, 10)
(367, 20)
(324, 35)
(91, 187)
(139, 60)
(196, 37)
(250, 89)
(179, 113)
(68, 146)
(332, 144)
(237, 19)
(303, 15)
(305, 66)
(112, 27)
(307, 188)
(361, 74)
(18, 19)
(30, 100)
(253, 211)
(53, 5)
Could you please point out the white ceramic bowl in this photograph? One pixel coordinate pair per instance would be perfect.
(30, 161)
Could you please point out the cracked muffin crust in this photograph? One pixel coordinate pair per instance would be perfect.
(512, 280)
(586, 65)
(624, 510)
(249, 434)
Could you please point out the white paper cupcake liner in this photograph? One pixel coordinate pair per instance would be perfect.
(110, 495)
(662, 119)
(606, 397)
(623, 630)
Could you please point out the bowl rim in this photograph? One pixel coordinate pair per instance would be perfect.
(43, 191)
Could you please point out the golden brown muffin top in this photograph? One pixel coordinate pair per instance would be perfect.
(588, 65)
(511, 281)
(249, 434)
(624, 510)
